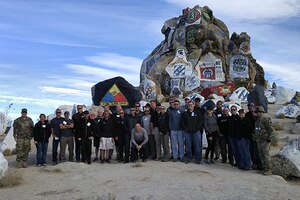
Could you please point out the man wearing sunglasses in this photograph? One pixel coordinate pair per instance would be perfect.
(56, 133)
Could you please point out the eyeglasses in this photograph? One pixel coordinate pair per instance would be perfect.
(67, 114)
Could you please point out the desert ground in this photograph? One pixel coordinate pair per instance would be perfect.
(152, 179)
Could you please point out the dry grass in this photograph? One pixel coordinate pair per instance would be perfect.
(137, 165)
(280, 116)
(278, 126)
(11, 178)
(7, 152)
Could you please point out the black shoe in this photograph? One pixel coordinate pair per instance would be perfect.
(187, 161)
(144, 160)
(224, 161)
(212, 161)
(107, 160)
(95, 159)
(198, 162)
(89, 162)
(54, 163)
(126, 161)
(102, 161)
(175, 160)
(217, 158)
(181, 160)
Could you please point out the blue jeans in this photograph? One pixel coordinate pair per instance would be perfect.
(196, 139)
(41, 154)
(236, 150)
(54, 150)
(245, 153)
(177, 144)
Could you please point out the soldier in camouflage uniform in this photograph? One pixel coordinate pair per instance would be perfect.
(23, 133)
(263, 135)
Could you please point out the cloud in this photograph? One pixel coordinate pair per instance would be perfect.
(116, 61)
(36, 101)
(247, 10)
(65, 91)
(286, 73)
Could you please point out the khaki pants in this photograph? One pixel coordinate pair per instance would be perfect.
(64, 141)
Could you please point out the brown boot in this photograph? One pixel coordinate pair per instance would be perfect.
(19, 165)
(267, 173)
(24, 164)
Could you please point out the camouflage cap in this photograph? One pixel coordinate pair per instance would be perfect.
(259, 109)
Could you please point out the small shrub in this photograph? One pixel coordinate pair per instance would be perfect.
(280, 116)
(278, 126)
(298, 119)
(7, 152)
(11, 178)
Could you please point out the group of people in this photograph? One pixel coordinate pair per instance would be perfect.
(152, 132)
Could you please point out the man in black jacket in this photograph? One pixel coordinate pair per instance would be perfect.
(233, 136)
(41, 135)
(223, 123)
(107, 134)
(192, 121)
(87, 131)
(77, 119)
(121, 132)
(163, 127)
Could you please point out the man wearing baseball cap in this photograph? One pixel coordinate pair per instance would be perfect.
(23, 133)
(263, 134)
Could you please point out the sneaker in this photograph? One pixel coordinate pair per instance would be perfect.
(95, 159)
(44, 164)
(39, 165)
(206, 161)
(175, 160)
(212, 161)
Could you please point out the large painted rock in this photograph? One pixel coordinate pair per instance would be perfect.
(3, 165)
(287, 162)
(197, 53)
(115, 91)
(239, 95)
(283, 95)
(3, 123)
(257, 96)
(9, 141)
(296, 129)
(269, 93)
(291, 111)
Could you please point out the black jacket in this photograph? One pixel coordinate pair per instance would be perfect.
(163, 123)
(107, 128)
(77, 117)
(223, 123)
(192, 121)
(120, 126)
(244, 128)
(87, 128)
(42, 131)
(233, 126)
